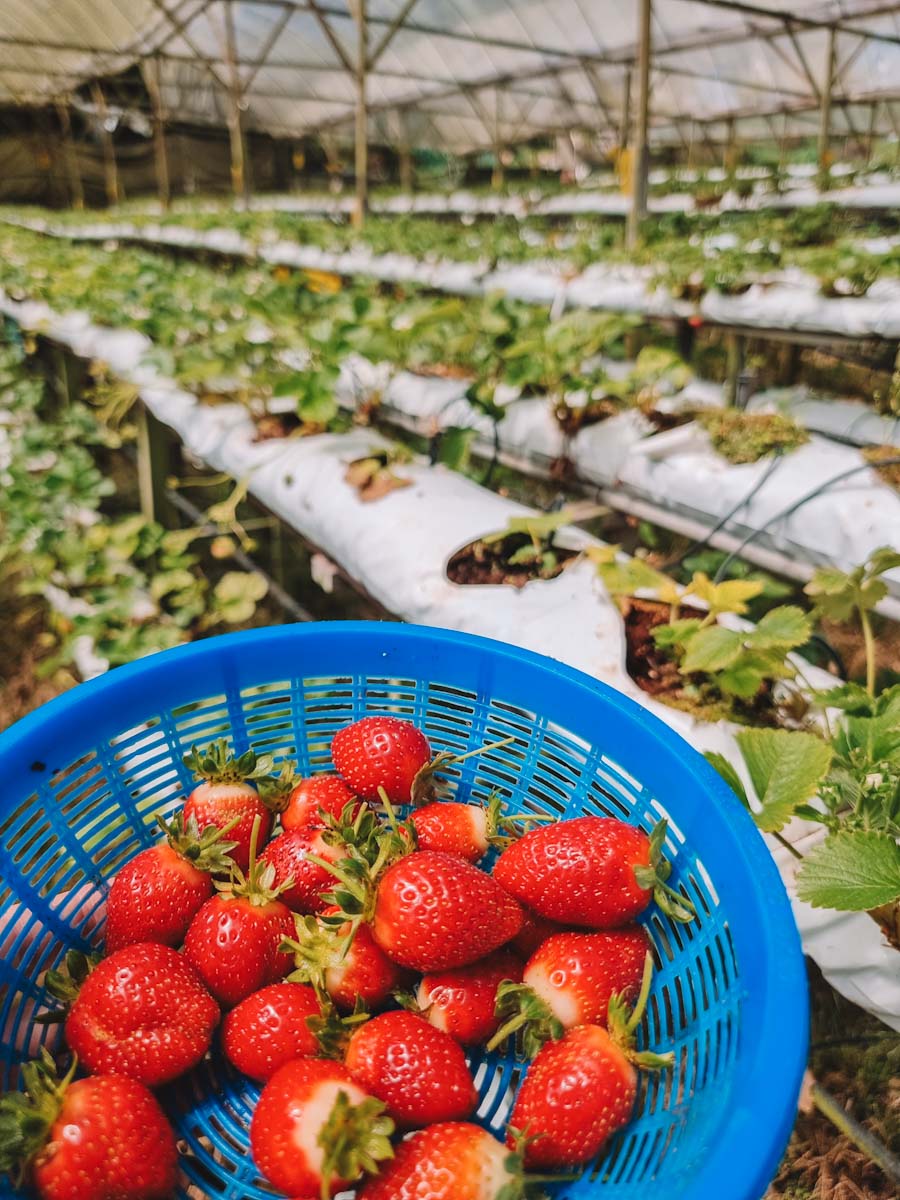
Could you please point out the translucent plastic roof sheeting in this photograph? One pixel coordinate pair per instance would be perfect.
(464, 74)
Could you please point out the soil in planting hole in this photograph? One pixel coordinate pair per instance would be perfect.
(480, 563)
(22, 688)
(657, 674)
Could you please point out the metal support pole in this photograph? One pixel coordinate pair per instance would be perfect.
(73, 174)
(873, 125)
(406, 166)
(235, 130)
(362, 117)
(731, 149)
(824, 154)
(110, 170)
(159, 133)
(638, 209)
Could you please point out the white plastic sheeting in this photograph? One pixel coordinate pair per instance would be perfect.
(785, 300)
(464, 74)
(397, 549)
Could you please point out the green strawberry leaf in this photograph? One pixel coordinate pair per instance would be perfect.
(729, 774)
(851, 872)
(712, 649)
(785, 768)
(781, 628)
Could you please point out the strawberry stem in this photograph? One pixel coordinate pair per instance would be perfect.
(523, 1008)
(258, 885)
(423, 788)
(622, 1024)
(653, 878)
(216, 764)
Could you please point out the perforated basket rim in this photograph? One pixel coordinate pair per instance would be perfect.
(773, 1034)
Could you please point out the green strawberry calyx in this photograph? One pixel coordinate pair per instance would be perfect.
(275, 790)
(258, 885)
(355, 1139)
(369, 849)
(333, 1031)
(519, 1184)
(64, 984)
(26, 1117)
(503, 830)
(424, 788)
(216, 763)
(207, 851)
(623, 1022)
(520, 1007)
(653, 878)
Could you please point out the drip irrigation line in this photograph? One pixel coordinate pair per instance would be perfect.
(870, 1145)
(798, 504)
(700, 543)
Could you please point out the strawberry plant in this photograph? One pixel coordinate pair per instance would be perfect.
(744, 437)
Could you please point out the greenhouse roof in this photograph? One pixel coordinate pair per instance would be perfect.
(467, 74)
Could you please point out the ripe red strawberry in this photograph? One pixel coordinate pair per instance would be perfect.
(596, 872)
(581, 1089)
(225, 797)
(534, 932)
(288, 856)
(327, 793)
(380, 752)
(234, 941)
(462, 1002)
(270, 1028)
(154, 896)
(314, 1131)
(569, 981)
(418, 1071)
(468, 830)
(451, 1161)
(143, 1013)
(360, 971)
(434, 911)
(93, 1139)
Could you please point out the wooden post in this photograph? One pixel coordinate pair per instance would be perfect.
(625, 127)
(735, 364)
(154, 461)
(638, 209)
(70, 156)
(824, 153)
(406, 166)
(730, 158)
(235, 130)
(152, 76)
(873, 125)
(362, 116)
(110, 170)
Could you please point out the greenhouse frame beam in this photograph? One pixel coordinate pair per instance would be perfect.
(154, 90)
(235, 93)
(641, 161)
(177, 22)
(333, 39)
(838, 23)
(362, 117)
(179, 30)
(267, 47)
(110, 168)
(73, 174)
(824, 142)
(396, 24)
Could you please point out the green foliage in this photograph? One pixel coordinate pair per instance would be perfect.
(851, 871)
(785, 768)
(121, 581)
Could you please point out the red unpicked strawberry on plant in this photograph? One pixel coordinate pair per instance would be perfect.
(313, 799)
(154, 897)
(91, 1139)
(581, 1089)
(418, 1071)
(143, 1013)
(569, 981)
(451, 1161)
(270, 1028)
(314, 1131)
(463, 1002)
(593, 872)
(225, 795)
(234, 941)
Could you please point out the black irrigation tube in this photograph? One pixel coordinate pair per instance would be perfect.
(798, 504)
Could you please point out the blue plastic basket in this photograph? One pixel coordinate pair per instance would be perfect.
(84, 776)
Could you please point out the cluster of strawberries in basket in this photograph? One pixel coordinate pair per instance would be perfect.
(348, 963)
